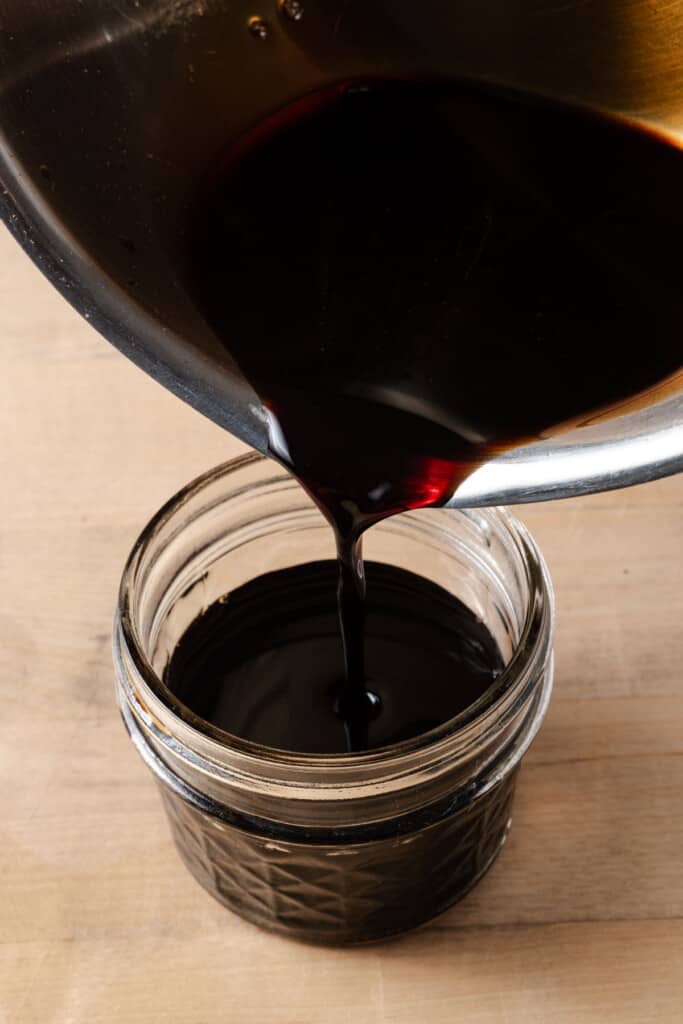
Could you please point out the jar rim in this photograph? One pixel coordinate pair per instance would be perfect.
(474, 717)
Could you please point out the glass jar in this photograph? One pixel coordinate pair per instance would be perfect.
(331, 848)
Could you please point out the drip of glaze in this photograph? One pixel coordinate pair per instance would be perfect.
(416, 276)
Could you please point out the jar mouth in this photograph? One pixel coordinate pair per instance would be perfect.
(512, 677)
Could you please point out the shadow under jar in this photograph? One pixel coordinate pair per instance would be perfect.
(331, 847)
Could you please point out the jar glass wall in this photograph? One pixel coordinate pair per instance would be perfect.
(343, 847)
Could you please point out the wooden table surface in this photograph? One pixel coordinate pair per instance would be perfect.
(581, 918)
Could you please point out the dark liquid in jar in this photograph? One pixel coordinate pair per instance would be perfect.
(416, 276)
(266, 662)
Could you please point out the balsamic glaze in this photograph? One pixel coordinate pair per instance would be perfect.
(414, 277)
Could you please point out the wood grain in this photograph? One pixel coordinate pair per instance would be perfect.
(581, 919)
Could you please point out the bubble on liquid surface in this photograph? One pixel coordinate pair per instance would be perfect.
(258, 27)
(293, 9)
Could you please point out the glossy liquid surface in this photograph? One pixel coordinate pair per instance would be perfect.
(266, 663)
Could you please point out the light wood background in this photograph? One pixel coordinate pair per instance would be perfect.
(581, 919)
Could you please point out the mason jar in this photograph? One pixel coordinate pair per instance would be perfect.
(342, 847)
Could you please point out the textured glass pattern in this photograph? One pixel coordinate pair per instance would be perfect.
(349, 892)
